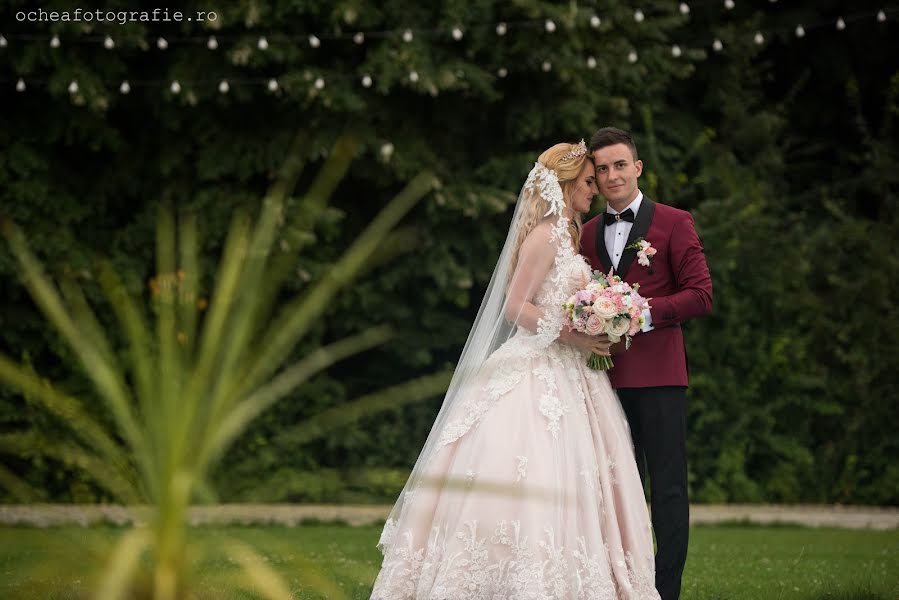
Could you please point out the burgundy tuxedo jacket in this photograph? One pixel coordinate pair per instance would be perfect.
(677, 280)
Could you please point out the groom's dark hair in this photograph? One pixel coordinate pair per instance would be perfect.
(609, 136)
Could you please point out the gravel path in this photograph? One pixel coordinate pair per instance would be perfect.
(47, 515)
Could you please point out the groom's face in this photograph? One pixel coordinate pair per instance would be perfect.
(616, 174)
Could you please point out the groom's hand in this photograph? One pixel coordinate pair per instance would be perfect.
(619, 348)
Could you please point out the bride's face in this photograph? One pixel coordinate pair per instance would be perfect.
(584, 188)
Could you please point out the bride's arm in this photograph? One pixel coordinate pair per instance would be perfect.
(535, 259)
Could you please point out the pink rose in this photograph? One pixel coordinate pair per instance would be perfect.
(617, 327)
(635, 326)
(594, 325)
(605, 307)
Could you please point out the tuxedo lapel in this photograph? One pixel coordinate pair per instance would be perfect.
(601, 251)
(641, 226)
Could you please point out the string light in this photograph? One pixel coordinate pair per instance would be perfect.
(319, 83)
(684, 8)
(502, 72)
(73, 87)
(223, 86)
(800, 31)
(212, 43)
(125, 87)
(20, 85)
(359, 38)
(273, 85)
(639, 16)
(262, 44)
(109, 43)
(546, 66)
(841, 24)
(729, 4)
(314, 41)
(3, 42)
(407, 36)
(54, 41)
(457, 33)
(500, 29)
(591, 62)
(632, 57)
(366, 81)
(175, 87)
(413, 76)
(162, 44)
(759, 38)
(549, 26)
(595, 22)
(717, 46)
(881, 17)
(386, 151)
(675, 51)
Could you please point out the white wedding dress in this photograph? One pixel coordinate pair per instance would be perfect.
(531, 489)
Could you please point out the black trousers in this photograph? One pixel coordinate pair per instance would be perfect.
(658, 421)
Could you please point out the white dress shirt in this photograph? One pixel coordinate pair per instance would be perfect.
(616, 236)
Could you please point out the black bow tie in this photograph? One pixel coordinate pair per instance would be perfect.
(610, 219)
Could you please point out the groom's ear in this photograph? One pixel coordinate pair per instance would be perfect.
(638, 164)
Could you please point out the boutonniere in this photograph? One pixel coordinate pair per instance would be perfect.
(645, 251)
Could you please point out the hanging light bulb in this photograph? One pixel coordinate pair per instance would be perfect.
(717, 46)
(20, 85)
(759, 38)
(549, 26)
(684, 8)
(800, 31)
(413, 76)
(314, 41)
(501, 29)
(675, 51)
(359, 38)
(841, 24)
(273, 85)
(223, 86)
(502, 72)
(595, 22)
(54, 42)
(881, 17)
(546, 66)
(125, 87)
(632, 56)
(457, 33)
(319, 83)
(3, 42)
(366, 81)
(73, 87)
(262, 44)
(162, 44)
(729, 4)
(212, 43)
(407, 36)
(639, 16)
(109, 43)
(175, 87)
(591, 62)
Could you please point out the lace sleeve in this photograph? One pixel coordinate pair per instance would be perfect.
(539, 253)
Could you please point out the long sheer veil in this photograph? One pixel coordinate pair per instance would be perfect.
(542, 196)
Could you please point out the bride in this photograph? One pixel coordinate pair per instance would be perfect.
(527, 485)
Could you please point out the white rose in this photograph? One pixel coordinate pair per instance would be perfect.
(617, 327)
(605, 307)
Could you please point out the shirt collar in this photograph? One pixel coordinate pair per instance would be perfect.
(634, 205)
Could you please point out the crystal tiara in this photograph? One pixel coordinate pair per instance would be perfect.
(579, 150)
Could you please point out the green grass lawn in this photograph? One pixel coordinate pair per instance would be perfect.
(725, 562)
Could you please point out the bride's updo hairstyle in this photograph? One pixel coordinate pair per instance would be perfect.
(566, 160)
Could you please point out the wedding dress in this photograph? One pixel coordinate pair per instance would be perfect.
(527, 486)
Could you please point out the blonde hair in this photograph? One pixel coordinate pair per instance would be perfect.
(535, 207)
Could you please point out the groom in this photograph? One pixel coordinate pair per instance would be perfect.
(651, 376)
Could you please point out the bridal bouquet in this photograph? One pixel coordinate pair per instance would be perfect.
(606, 305)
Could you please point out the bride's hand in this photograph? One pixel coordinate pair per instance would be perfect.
(598, 344)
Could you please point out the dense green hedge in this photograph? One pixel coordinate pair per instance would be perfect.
(789, 165)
